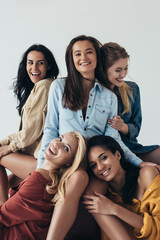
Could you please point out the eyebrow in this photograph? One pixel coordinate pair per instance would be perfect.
(41, 60)
(85, 50)
(67, 143)
(121, 67)
(100, 155)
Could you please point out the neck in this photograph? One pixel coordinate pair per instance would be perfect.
(47, 166)
(118, 182)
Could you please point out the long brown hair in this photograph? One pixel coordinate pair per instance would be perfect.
(114, 52)
(73, 92)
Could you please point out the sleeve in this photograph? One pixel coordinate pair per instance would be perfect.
(33, 119)
(135, 122)
(115, 134)
(22, 205)
(150, 209)
(51, 128)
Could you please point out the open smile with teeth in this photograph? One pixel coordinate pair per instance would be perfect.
(84, 63)
(35, 74)
(51, 149)
(106, 172)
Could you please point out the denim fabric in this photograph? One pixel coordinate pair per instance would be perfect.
(102, 105)
(134, 120)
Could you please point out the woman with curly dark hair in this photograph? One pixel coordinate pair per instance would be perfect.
(18, 152)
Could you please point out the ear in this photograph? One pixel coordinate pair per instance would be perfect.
(117, 155)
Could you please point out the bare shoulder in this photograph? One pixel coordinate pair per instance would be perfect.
(77, 182)
(146, 175)
(79, 176)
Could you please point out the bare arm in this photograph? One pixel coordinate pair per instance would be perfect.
(65, 214)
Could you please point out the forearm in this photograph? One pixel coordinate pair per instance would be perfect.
(129, 217)
(124, 129)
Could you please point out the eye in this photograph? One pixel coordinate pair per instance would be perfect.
(92, 165)
(126, 69)
(60, 139)
(118, 70)
(29, 62)
(77, 54)
(41, 63)
(66, 148)
(89, 52)
(104, 158)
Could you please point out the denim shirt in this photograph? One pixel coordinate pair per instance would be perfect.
(133, 119)
(102, 105)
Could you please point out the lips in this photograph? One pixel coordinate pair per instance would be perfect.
(84, 63)
(105, 173)
(35, 74)
(52, 150)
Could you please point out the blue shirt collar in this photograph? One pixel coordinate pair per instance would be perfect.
(97, 84)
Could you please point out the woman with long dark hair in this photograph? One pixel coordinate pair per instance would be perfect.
(131, 207)
(18, 152)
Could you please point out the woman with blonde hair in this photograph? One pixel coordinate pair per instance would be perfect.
(27, 213)
(129, 119)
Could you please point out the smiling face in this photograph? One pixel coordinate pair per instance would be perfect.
(117, 72)
(85, 58)
(61, 150)
(36, 66)
(104, 164)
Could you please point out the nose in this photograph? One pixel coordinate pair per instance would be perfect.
(123, 74)
(83, 55)
(99, 166)
(34, 67)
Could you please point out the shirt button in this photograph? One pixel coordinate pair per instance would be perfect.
(87, 117)
(85, 129)
(91, 94)
(103, 110)
(89, 106)
(80, 116)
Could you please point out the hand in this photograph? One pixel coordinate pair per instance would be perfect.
(118, 124)
(144, 164)
(98, 204)
(4, 150)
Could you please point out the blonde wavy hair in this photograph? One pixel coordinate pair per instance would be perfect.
(114, 52)
(60, 176)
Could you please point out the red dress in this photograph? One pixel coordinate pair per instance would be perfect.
(27, 213)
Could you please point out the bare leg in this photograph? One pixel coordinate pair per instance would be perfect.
(19, 164)
(109, 224)
(65, 214)
(153, 156)
(3, 185)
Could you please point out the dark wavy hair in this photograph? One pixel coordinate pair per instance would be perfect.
(73, 97)
(22, 86)
(132, 171)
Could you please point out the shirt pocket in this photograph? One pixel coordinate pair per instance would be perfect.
(101, 114)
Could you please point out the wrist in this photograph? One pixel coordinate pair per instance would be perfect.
(124, 129)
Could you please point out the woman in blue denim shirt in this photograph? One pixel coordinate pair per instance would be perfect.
(81, 102)
(129, 118)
